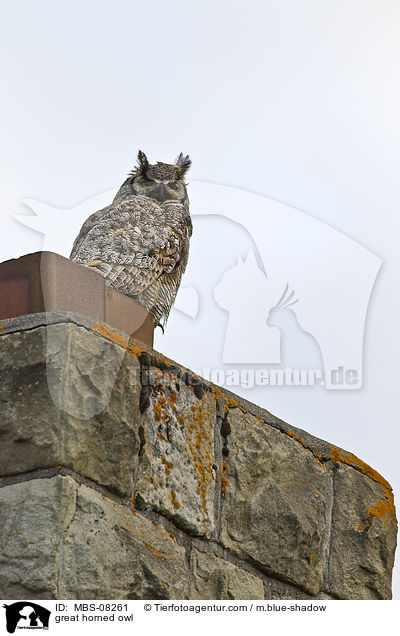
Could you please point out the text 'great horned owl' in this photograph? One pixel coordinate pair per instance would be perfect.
(140, 243)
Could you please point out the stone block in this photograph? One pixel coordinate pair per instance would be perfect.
(274, 510)
(175, 475)
(64, 540)
(73, 401)
(363, 540)
(215, 578)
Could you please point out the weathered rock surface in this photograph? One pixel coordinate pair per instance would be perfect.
(175, 466)
(363, 537)
(54, 411)
(278, 489)
(96, 548)
(123, 476)
(110, 551)
(212, 577)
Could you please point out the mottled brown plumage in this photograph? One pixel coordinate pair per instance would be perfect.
(140, 243)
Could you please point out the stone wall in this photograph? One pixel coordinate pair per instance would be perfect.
(123, 475)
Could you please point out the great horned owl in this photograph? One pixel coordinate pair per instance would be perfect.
(140, 243)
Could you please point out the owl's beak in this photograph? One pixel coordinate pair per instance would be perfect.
(159, 193)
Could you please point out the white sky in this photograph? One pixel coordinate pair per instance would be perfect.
(295, 101)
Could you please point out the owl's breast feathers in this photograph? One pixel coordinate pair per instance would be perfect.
(140, 247)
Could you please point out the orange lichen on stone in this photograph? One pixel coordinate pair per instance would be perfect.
(115, 336)
(168, 465)
(383, 509)
(156, 552)
(135, 349)
(198, 431)
(313, 559)
(225, 469)
(337, 455)
(111, 334)
(157, 412)
(172, 399)
(174, 500)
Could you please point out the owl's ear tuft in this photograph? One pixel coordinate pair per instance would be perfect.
(183, 164)
(142, 167)
(143, 162)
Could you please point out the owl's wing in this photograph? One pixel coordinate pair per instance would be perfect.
(132, 244)
(86, 227)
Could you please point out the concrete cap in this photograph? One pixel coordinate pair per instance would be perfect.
(47, 282)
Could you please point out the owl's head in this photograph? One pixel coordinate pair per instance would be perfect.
(160, 181)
